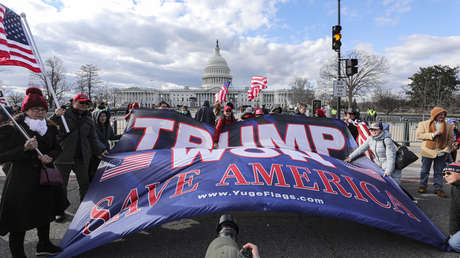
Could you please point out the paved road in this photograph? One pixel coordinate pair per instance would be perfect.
(277, 234)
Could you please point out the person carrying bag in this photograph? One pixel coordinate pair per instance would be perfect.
(382, 146)
(26, 203)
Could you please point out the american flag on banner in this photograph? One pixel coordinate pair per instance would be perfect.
(258, 83)
(129, 164)
(363, 134)
(221, 96)
(15, 48)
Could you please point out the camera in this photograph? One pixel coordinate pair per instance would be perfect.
(225, 246)
(227, 227)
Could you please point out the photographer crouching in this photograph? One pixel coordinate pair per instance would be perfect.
(225, 246)
(451, 174)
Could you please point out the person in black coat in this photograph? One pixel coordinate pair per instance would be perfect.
(105, 133)
(26, 204)
(206, 114)
(79, 145)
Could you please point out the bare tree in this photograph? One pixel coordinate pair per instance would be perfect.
(386, 101)
(15, 98)
(302, 91)
(103, 94)
(88, 79)
(55, 73)
(370, 73)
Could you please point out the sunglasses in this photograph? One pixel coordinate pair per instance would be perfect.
(446, 173)
(83, 102)
(227, 111)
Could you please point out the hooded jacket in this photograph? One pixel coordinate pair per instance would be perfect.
(383, 148)
(206, 114)
(432, 145)
(104, 131)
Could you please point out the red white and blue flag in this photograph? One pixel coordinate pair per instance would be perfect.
(221, 96)
(258, 83)
(15, 47)
(3, 100)
(363, 134)
(129, 164)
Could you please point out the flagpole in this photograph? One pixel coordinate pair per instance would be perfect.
(19, 127)
(42, 67)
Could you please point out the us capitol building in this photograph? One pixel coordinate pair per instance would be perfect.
(215, 74)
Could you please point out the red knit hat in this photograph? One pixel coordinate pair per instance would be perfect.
(34, 98)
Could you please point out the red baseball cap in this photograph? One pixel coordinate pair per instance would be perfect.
(81, 97)
(227, 108)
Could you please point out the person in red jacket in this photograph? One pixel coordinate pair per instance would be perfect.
(225, 120)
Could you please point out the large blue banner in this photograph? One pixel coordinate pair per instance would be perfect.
(277, 163)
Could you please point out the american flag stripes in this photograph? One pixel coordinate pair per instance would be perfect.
(15, 48)
(363, 134)
(129, 164)
(258, 83)
(3, 100)
(221, 96)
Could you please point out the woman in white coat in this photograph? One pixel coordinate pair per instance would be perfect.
(381, 144)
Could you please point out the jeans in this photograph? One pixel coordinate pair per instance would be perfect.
(439, 164)
(454, 242)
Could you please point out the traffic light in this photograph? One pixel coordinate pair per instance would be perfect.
(336, 36)
(315, 105)
(350, 65)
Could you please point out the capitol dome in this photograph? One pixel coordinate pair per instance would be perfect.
(217, 71)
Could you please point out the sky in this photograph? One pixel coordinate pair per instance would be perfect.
(167, 44)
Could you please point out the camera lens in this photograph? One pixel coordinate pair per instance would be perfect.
(227, 226)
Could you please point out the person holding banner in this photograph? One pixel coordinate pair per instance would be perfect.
(105, 133)
(382, 146)
(79, 145)
(225, 120)
(206, 114)
(26, 204)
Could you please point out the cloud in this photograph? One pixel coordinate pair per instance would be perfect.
(161, 44)
(421, 51)
(134, 43)
(392, 10)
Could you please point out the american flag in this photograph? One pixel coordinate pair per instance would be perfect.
(258, 83)
(3, 100)
(129, 164)
(15, 48)
(221, 96)
(363, 134)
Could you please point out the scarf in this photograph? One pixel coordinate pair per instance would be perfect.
(36, 125)
(440, 141)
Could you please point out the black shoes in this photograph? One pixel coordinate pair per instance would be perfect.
(47, 248)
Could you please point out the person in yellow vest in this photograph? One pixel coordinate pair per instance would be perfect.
(437, 136)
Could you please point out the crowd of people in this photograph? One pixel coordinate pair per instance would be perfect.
(81, 148)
